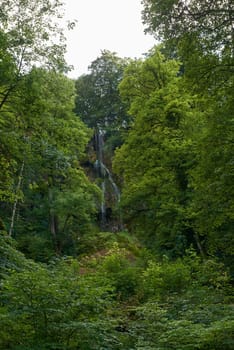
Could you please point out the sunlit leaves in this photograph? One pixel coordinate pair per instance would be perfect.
(154, 158)
(32, 32)
(210, 20)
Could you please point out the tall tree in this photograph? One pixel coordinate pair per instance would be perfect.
(98, 101)
(57, 195)
(213, 177)
(212, 20)
(201, 32)
(29, 35)
(155, 157)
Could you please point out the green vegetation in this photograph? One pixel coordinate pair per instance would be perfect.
(118, 298)
(159, 274)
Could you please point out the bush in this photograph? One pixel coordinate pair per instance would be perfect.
(120, 266)
(160, 279)
(56, 308)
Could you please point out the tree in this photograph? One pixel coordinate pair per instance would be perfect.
(212, 21)
(186, 306)
(50, 142)
(212, 178)
(157, 153)
(33, 33)
(29, 35)
(56, 307)
(98, 101)
(200, 32)
(42, 140)
(99, 105)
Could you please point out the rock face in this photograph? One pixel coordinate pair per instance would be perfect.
(109, 216)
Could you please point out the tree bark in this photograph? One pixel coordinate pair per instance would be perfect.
(53, 225)
(199, 246)
(16, 199)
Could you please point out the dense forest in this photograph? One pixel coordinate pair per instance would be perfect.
(117, 188)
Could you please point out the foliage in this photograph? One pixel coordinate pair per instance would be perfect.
(56, 141)
(198, 319)
(185, 306)
(37, 37)
(210, 19)
(174, 160)
(56, 308)
(157, 153)
(212, 179)
(120, 266)
(42, 140)
(163, 279)
(200, 33)
(10, 258)
(98, 101)
(117, 300)
(99, 105)
(179, 172)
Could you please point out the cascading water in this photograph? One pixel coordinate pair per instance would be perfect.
(105, 175)
(103, 205)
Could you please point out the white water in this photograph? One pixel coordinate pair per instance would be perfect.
(104, 173)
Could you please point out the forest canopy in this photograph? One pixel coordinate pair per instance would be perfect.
(117, 188)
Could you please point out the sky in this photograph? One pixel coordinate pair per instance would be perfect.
(113, 25)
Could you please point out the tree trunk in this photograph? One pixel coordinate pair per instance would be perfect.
(199, 246)
(16, 199)
(53, 225)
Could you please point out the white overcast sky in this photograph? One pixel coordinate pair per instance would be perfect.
(113, 25)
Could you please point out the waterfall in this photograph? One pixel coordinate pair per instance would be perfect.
(105, 173)
(99, 141)
(106, 177)
(103, 205)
